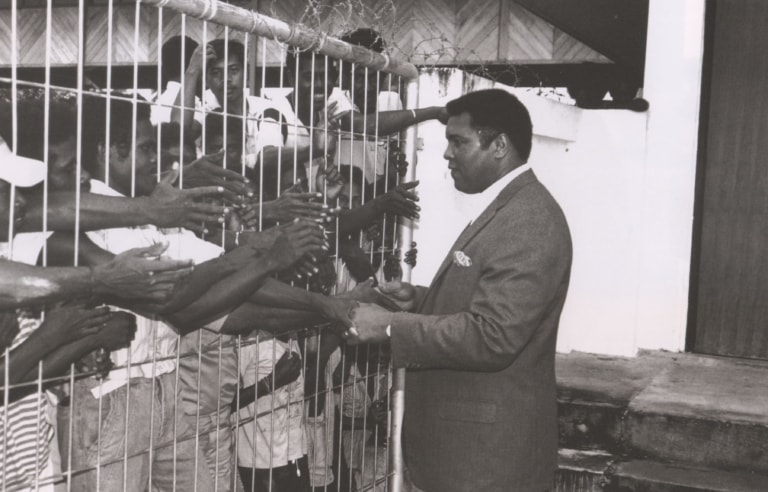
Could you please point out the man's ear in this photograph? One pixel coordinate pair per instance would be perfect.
(502, 146)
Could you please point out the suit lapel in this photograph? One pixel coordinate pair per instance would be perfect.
(473, 229)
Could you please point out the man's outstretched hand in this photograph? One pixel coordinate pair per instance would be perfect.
(399, 201)
(400, 294)
(208, 171)
(172, 207)
(287, 370)
(295, 240)
(140, 274)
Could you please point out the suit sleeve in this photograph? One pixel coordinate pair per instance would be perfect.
(519, 285)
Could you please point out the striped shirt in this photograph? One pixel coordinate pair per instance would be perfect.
(25, 429)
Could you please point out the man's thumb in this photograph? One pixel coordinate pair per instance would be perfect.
(171, 176)
(389, 287)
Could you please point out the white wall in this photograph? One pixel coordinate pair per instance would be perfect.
(625, 182)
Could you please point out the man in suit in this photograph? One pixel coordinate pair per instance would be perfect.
(479, 346)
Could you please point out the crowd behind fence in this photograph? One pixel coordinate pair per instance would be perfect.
(180, 262)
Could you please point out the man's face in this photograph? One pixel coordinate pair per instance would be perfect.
(175, 154)
(19, 209)
(473, 168)
(351, 196)
(234, 150)
(62, 167)
(365, 87)
(121, 167)
(232, 85)
(314, 86)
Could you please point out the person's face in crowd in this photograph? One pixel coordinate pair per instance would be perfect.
(314, 85)
(62, 167)
(351, 196)
(176, 154)
(473, 168)
(19, 209)
(232, 85)
(121, 167)
(365, 88)
(234, 150)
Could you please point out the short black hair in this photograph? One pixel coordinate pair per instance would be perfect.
(30, 124)
(170, 61)
(493, 112)
(304, 56)
(229, 47)
(119, 126)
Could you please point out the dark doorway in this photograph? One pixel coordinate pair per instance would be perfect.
(729, 287)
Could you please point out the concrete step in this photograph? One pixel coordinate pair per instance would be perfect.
(599, 471)
(706, 412)
(649, 476)
(582, 471)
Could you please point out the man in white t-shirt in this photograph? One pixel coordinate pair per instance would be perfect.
(271, 127)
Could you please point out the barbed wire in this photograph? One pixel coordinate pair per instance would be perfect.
(406, 37)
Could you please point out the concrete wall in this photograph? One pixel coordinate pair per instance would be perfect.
(624, 180)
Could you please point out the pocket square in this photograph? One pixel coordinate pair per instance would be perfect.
(462, 260)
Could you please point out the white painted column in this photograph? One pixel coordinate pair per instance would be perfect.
(672, 86)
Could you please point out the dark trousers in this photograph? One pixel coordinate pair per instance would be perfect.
(293, 477)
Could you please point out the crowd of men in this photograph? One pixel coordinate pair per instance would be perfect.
(189, 297)
(186, 263)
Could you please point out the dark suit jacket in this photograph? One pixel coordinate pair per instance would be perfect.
(480, 396)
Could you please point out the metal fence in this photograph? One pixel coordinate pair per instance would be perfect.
(239, 385)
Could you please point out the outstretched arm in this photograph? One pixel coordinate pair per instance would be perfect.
(186, 99)
(126, 276)
(165, 207)
(294, 242)
(389, 122)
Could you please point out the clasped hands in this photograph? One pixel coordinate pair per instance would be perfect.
(374, 311)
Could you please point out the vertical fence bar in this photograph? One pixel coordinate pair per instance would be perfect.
(398, 379)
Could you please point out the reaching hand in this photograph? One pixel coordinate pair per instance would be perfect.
(195, 66)
(323, 276)
(140, 274)
(324, 135)
(118, 331)
(397, 159)
(392, 269)
(378, 411)
(399, 201)
(329, 182)
(172, 207)
(295, 205)
(209, 171)
(296, 240)
(339, 309)
(442, 114)
(401, 294)
(287, 370)
(410, 255)
(73, 322)
(356, 260)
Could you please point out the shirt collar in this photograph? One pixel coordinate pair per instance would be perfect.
(480, 201)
